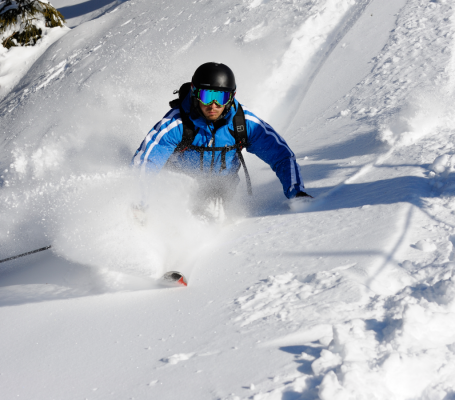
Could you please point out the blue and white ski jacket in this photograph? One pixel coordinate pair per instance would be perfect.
(263, 141)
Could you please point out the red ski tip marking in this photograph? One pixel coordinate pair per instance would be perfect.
(174, 278)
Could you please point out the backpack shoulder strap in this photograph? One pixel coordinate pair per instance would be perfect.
(189, 132)
(241, 140)
(240, 133)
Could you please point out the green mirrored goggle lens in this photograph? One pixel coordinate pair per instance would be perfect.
(207, 97)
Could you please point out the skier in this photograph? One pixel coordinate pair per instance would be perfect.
(203, 135)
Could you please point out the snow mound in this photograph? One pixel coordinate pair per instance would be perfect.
(401, 345)
(425, 245)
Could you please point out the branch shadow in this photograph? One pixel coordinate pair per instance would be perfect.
(77, 10)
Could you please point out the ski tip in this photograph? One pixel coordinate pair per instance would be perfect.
(174, 278)
(182, 281)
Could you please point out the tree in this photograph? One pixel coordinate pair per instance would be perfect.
(22, 21)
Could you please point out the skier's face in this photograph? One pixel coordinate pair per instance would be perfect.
(212, 112)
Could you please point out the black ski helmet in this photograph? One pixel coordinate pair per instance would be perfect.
(214, 76)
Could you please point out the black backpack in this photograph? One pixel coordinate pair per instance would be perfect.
(189, 133)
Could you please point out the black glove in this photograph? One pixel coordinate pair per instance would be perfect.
(303, 194)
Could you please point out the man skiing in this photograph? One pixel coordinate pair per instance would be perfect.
(203, 135)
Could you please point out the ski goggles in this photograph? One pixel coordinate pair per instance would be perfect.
(207, 97)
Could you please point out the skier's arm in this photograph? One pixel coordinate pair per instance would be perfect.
(159, 143)
(270, 147)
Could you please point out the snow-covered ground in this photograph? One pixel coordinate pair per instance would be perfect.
(351, 296)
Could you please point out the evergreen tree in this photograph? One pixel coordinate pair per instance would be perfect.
(21, 21)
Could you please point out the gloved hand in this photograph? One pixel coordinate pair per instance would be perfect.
(303, 194)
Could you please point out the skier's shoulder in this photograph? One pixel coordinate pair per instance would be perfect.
(172, 119)
(252, 120)
(174, 114)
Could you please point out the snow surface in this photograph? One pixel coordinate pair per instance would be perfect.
(350, 296)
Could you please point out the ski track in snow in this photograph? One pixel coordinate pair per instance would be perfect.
(350, 296)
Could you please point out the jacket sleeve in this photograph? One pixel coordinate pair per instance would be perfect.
(159, 143)
(270, 147)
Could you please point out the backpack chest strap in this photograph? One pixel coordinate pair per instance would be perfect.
(224, 150)
(239, 133)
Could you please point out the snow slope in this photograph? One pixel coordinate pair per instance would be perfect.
(348, 297)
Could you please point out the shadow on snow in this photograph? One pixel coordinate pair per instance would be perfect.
(77, 10)
(45, 277)
(409, 189)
